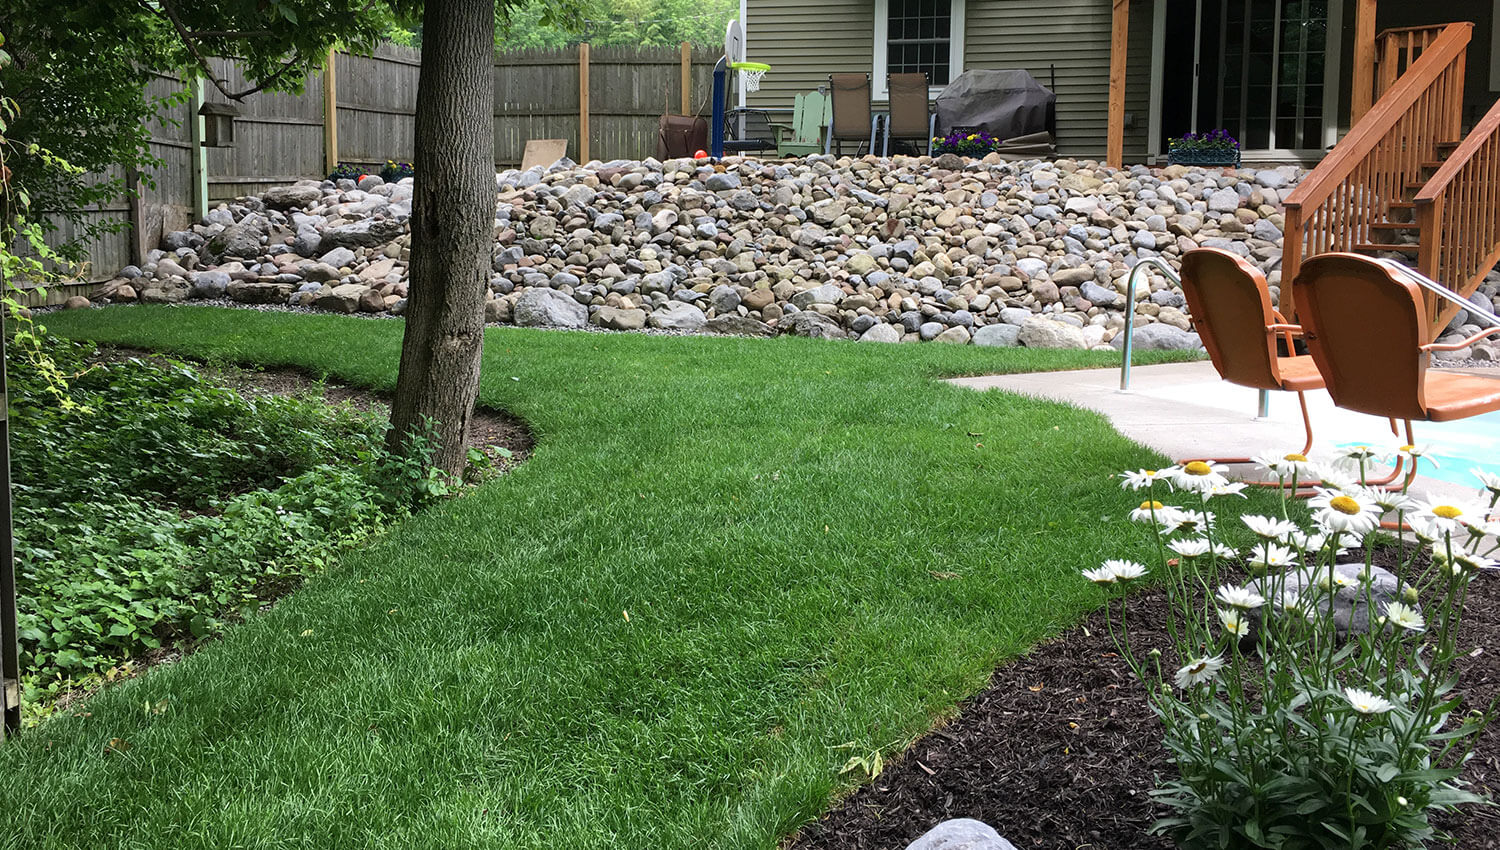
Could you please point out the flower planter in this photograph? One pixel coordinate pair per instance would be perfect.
(1202, 157)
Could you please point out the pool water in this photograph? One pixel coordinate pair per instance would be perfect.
(1455, 448)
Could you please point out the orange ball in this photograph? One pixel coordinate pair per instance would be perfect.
(700, 154)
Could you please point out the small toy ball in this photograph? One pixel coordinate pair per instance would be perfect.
(700, 154)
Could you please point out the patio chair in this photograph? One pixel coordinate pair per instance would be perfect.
(748, 130)
(911, 118)
(1231, 307)
(1368, 331)
(850, 118)
(810, 116)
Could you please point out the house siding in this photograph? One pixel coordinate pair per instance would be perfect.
(805, 42)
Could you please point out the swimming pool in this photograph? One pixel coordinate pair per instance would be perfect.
(1454, 447)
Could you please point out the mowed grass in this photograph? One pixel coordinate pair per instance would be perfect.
(770, 514)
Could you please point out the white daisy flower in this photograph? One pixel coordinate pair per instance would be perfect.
(1349, 511)
(1414, 452)
(1336, 479)
(1199, 476)
(1405, 616)
(1101, 576)
(1124, 570)
(1471, 562)
(1425, 528)
(1390, 501)
(1157, 512)
(1228, 488)
(1144, 478)
(1190, 547)
(1242, 598)
(1365, 702)
(1235, 621)
(1269, 527)
(1359, 452)
(1448, 514)
(1286, 465)
(1199, 671)
(1489, 480)
(1192, 521)
(1271, 555)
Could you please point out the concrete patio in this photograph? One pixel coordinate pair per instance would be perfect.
(1185, 410)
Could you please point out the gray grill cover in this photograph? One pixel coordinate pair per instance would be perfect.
(1005, 104)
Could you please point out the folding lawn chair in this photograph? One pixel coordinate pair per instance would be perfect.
(850, 118)
(910, 117)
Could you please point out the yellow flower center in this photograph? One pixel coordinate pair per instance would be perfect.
(1408, 447)
(1151, 506)
(1344, 505)
(1197, 467)
(1296, 457)
(1447, 512)
(1150, 472)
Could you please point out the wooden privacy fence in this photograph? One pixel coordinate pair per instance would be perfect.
(604, 101)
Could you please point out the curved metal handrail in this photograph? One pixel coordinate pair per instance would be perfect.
(1130, 282)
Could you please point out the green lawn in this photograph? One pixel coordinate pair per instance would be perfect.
(769, 513)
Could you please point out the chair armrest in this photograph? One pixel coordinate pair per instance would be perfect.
(1454, 346)
(1295, 330)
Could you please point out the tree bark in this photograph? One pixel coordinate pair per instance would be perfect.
(452, 227)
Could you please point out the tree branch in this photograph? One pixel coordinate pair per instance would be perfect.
(166, 9)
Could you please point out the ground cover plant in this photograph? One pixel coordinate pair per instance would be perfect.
(728, 566)
(153, 505)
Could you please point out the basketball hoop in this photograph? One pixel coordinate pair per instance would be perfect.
(750, 74)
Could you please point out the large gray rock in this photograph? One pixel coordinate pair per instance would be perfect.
(210, 284)
(678, 316)
(1037, 332)
(617, 319)
(341, 299)
(238, 240)
(999, 336)
(724, 298)
(304, 195)
(1351, 612)
(881, 333)
(257, 292)
(812, 325)
(825, 294)
(1098, 295)
(361, 234)
(1159, 337)
(956, 335)
(961, 834)
(549, 308)
(738, 326)
(338, 258)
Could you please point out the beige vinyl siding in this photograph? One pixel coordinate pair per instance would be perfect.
(1073, 36)
(804, 42)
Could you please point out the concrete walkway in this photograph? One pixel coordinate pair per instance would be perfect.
(1185, 410)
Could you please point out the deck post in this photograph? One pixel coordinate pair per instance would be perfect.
(1118, 38)
(1362, 88)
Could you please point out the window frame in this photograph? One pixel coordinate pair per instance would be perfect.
(956, 34)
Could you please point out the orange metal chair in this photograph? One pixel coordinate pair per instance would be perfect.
(1367, 328)
(1231, 307)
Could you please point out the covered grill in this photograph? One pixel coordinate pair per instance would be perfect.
(1009, 105)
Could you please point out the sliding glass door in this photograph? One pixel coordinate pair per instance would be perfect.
(1274, 72)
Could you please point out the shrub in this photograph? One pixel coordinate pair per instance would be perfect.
(965, 144)
(1287, 733)
(152, 505)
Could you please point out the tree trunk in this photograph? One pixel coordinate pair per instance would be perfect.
(452, 231)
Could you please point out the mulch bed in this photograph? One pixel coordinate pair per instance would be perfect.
(1061, 750)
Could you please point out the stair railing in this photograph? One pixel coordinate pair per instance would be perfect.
(1397, 49)
(1458, 215)
(1354, 186)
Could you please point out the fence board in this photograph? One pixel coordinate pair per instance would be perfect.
(279, 136)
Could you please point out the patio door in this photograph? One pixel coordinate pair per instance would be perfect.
(1277, 84)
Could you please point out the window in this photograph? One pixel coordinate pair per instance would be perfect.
(918, 36)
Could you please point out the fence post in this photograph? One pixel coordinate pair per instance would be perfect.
(583, 102)
(200, 154)
(330, 115)
(687, 78)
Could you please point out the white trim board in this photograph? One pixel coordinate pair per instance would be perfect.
(744, 25)
(878, 72)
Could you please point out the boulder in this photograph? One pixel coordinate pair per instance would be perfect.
(257, 292)
(1037, 332)
(340, 299)
(739, 326)
(881, 332)
(1158, 337)
(549, 308)
(998, 336)
(77, 302)
(812, 325)
(362, 234)
(1351, 611)
(961, 834)
(617, 319)
(302, 194)
(825, 294)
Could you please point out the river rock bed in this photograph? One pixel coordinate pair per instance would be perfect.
(896, 249)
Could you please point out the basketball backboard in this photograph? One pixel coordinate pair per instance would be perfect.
(734, 42)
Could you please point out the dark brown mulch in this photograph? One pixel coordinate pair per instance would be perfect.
(1061, 749)
(487, 428)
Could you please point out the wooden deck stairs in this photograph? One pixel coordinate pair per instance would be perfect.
(1406, 182)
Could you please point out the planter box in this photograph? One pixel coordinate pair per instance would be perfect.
(1191, 157)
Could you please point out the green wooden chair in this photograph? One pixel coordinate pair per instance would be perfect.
(810, 116)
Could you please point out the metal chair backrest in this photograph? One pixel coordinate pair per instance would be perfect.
(1365, 328)
(851, 105)
(1231, 308)
(910, 115)
(742, 125)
